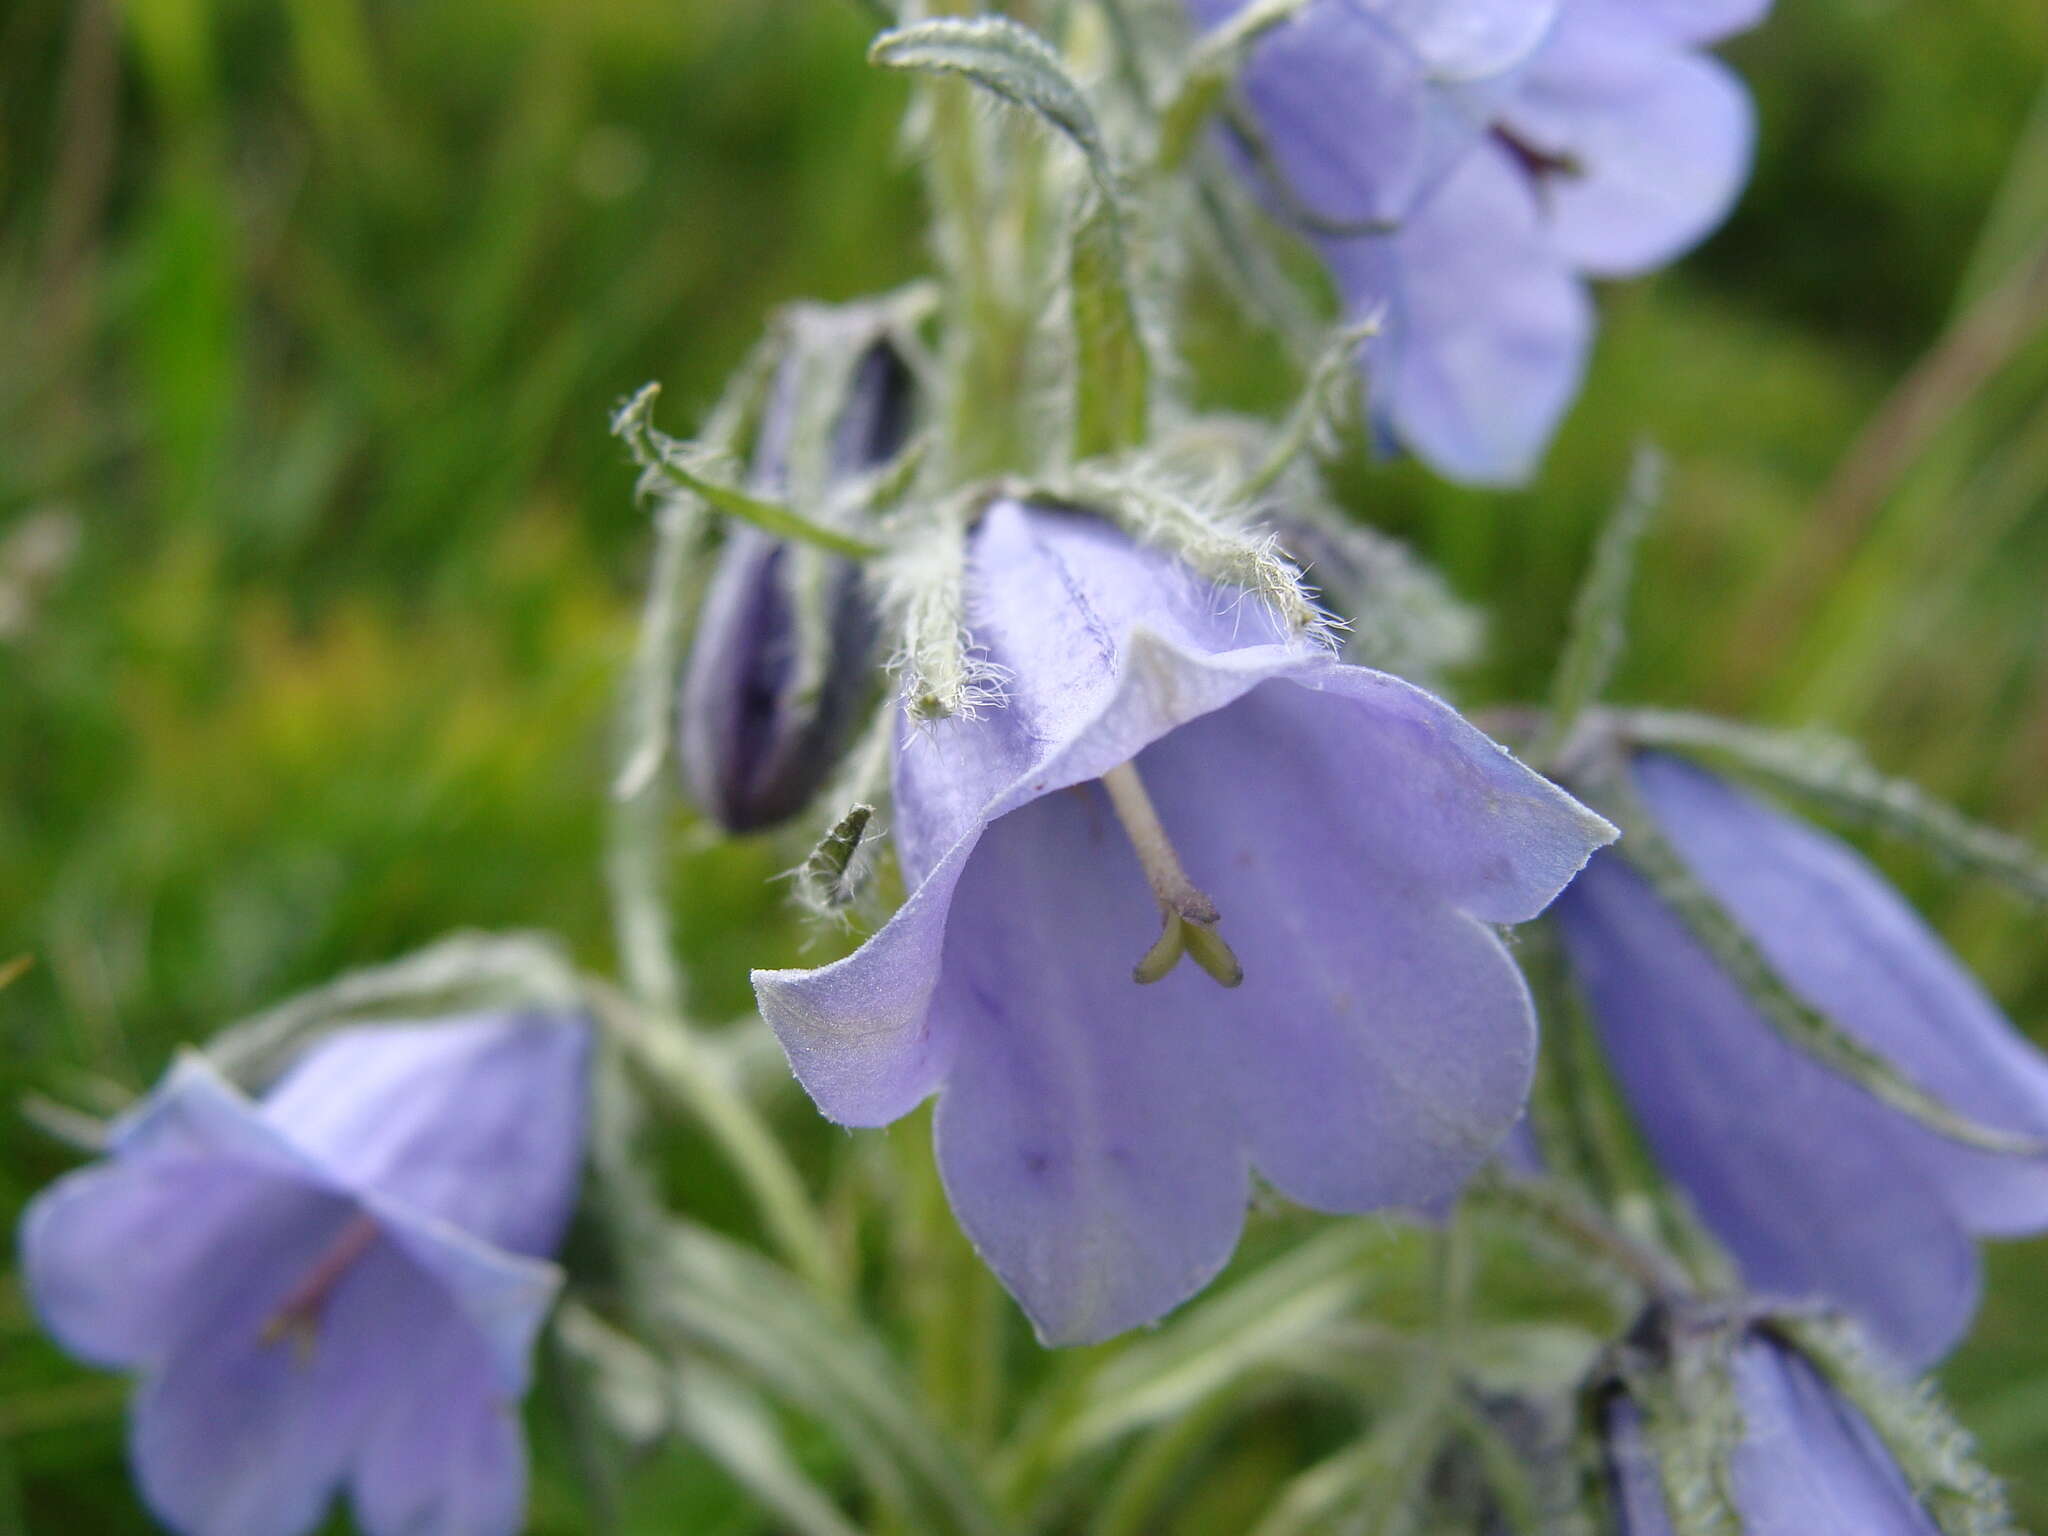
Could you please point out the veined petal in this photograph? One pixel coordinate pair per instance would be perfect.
(1054, 601)
(1661, 138)
(478, 1122)
(1435, 797)
(1809, 1182)
(195, 1113)
(1084, 1128)
(1486, 328)
(1846, 941)
(861, 1033)
(1381, 1044)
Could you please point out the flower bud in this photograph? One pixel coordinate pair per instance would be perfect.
(786, 636)
(1735, 1426)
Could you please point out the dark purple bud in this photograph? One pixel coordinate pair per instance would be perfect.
(784, 648)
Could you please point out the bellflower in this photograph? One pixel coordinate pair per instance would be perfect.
(337, 1286)
(1807, 1464)
(1819, 1190)
(758, 729)
(1173, 775)
(1610, 149)
(1363, 105)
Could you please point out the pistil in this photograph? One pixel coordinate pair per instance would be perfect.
(1189, 916)
(298, 1316)
(1543, 167)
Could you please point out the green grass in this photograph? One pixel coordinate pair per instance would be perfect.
(314, 312)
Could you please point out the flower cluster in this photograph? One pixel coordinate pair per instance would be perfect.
(1193, 903)
(1818, 1189)
(1464, 165)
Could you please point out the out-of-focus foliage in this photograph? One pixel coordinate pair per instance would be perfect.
(318, 566)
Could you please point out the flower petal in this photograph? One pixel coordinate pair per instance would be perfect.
(1632, 1465)
(1840, 935)
(861, 1033)
(1056, 601)
(1381, 1044)
(451, 1459)
(478, 1122)
(1661, 137)
(1342, 104)
(121, 1258)
(244, 1434)
(503, 1297)
(1467, 39)
(1486, 329)
(1083, 1133)
(1808, 1181)
(1808, 1463)
(1697, 22)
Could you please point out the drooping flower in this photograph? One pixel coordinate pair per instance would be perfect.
(1818, 1190)
(765, 706)
(1611, 149)
(1807, 1463)
(336, 1287)
(1172, 774)
(1363, 105)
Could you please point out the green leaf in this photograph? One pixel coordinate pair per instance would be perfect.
(730, 1299)
(1796, 1021)
(1112, 372)
(1693, 1424)
(1377, 1482)
(681, 468)
(830, 878)
(1262, 1319)
(1834, 774)
(642, 1396)
(1322, 398)
(1594, 644)
(1013, 62)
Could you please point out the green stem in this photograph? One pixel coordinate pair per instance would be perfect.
(1127, 1509)
(671, 1060)
(649, 1019)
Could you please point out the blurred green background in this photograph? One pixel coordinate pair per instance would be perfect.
(317, 565)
